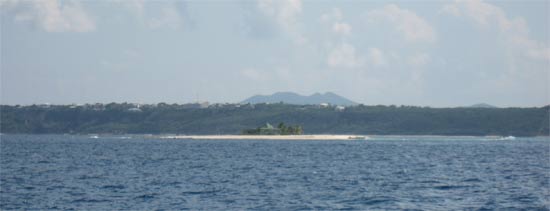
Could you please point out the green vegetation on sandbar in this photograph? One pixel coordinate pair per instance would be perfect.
(162, 118)
(281, 129)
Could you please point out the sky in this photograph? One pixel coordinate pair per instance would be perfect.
(423, 53)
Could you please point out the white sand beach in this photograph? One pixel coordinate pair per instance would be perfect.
(268, 137)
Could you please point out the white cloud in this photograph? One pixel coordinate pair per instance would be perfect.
(450, 9)
(413, 27)
(488, 15)
(334, 18)
(341, 28)
(169, 17)
(419, 59)
(345, 56)
(376, 57)
(285, 13)
(70, 16)
(136, 6)
(52, 15)
(484, 14)
(158, 15)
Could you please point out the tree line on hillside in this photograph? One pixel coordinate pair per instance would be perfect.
(122, 118)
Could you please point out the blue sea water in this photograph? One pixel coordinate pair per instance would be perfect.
(40, 172)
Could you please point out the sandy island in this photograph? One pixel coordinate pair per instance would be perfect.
(268, 137)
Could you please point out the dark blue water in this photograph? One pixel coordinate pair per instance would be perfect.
(425, 173)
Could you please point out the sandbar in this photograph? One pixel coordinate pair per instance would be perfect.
(268, 137)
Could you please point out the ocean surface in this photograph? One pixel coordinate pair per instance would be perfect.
(40, 172)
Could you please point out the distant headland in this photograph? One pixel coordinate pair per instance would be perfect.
(296, 99)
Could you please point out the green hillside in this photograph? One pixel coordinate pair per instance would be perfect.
(234, 118)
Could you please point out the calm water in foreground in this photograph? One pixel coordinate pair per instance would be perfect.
(425, 173)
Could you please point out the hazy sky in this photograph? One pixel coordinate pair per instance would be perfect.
(436, 53)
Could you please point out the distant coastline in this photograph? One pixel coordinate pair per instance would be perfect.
(199, 119)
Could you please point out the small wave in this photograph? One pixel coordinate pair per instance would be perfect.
(174, 183)
(84, 200)
(377, 201)
(55, 187)
(113, 187)
(472, 180)
(508, 138)
(145, 196)
(368, 200)
(199, 192)
(76, 194)
(449, 187)
(84, 177)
